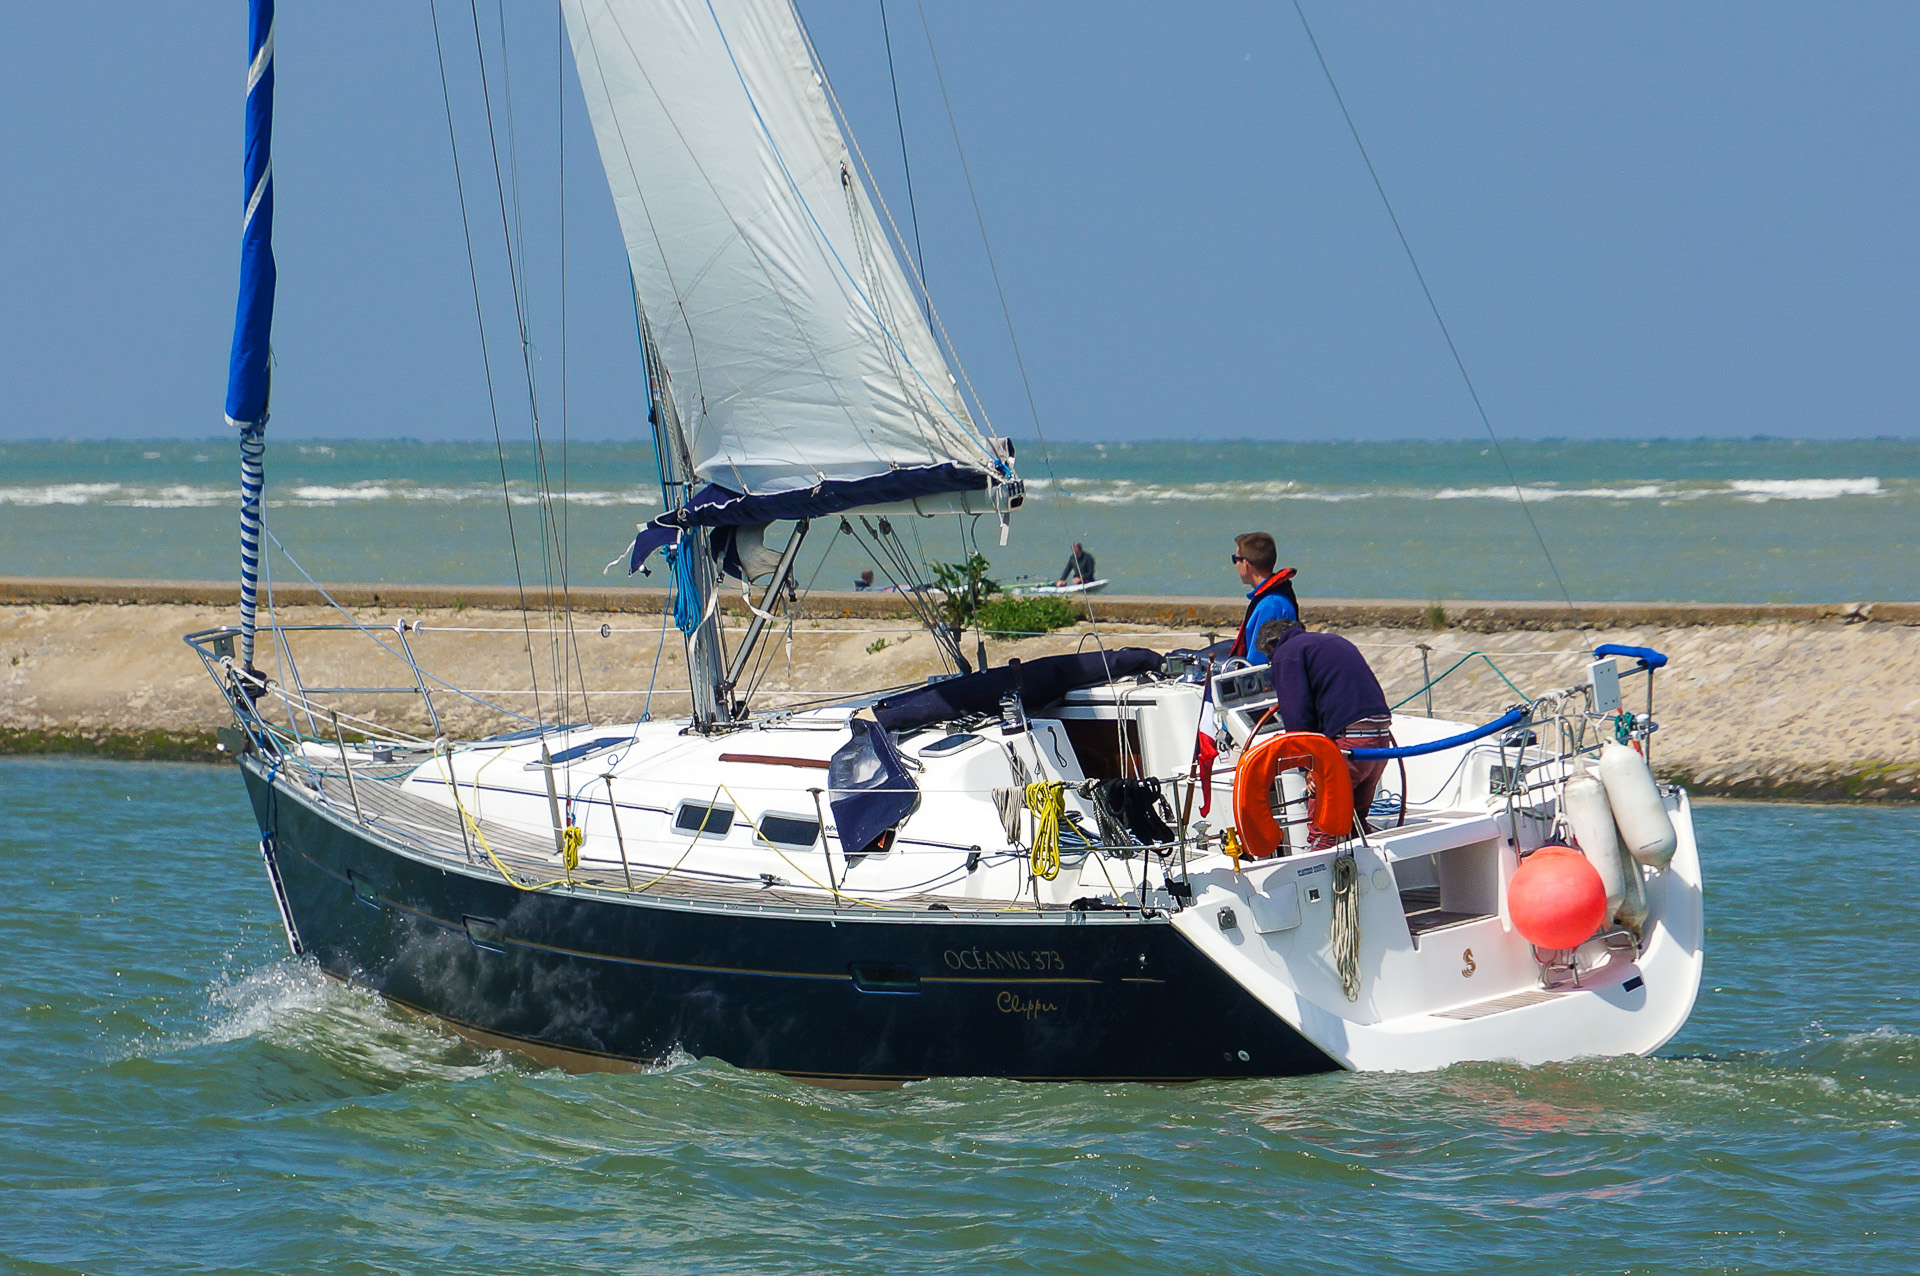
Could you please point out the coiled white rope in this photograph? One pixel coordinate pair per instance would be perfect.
(1346, 924)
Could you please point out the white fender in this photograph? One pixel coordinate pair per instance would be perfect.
(1645, 829)
(1591, 819)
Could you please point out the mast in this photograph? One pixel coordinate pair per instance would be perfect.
(247, 371)
(695, 610)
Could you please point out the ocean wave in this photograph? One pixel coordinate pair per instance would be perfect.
(176, 496)
(1551, 492)
(313, 495)
(180, 497)
(1805, 489)
(1128, 492)
(57, 494)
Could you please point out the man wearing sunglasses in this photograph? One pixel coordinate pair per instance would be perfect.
(1271, 595)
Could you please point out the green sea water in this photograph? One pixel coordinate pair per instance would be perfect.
(1704, 520)
(182, 1096)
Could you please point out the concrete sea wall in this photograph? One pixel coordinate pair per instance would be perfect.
(1785, 701)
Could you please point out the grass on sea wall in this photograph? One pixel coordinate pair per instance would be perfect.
(1867, 782)
(133, 746)
(1018, 617)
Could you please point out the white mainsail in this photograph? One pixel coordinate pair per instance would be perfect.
(798, 354)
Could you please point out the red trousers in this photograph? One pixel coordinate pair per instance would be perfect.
(1368, 733)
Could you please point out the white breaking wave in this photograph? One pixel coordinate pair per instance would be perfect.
(311, 495)
(178, 496)
(1127, 492)
(1804, 489)
(1549, 492)
(57, 494)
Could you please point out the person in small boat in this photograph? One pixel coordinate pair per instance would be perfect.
(863, 582)
(1270, 598)
(1323, 684)
(1079, 568)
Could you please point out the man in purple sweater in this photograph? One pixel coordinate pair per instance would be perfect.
(1324, 685)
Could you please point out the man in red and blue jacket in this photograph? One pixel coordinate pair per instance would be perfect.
(1271, 597)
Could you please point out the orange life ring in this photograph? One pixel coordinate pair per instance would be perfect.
(1331, 811)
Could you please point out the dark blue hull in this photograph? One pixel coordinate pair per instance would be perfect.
(592, 981)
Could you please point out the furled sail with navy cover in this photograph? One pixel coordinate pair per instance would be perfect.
(802, 369)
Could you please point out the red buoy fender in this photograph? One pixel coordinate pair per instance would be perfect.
(1556, 899)
(1331, 810)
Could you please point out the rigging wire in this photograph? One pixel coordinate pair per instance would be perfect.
(913, 212)
(515, 241)
(993, 267)
(486, 361)
(566, 486)
(516, 272)
(979, 217)
(1433, 305)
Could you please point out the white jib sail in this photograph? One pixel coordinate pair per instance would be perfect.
(798, 353)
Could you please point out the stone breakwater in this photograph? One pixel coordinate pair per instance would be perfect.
(1766, 701)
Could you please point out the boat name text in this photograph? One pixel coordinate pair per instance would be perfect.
(1041, 960)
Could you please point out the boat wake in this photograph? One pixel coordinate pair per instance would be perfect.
(291, 1006)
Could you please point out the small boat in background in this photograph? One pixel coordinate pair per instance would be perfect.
(1056, 591)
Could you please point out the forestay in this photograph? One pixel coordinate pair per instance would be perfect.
(800, 360)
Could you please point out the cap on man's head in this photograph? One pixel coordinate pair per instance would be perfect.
(1258, 549)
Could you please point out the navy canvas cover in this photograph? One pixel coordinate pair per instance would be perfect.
(1038, 683)
(871, 791)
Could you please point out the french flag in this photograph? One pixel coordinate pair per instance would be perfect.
(1206, 747)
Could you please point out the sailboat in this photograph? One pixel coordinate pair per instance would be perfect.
(1104, 866)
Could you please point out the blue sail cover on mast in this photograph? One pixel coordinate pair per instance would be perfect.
(247, 371)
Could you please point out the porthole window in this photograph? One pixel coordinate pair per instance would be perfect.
(791, 832)
(701, 820)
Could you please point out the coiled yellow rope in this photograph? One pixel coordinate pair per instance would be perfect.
(1046, 799)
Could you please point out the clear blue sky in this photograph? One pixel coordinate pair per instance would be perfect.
(1640, 220)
